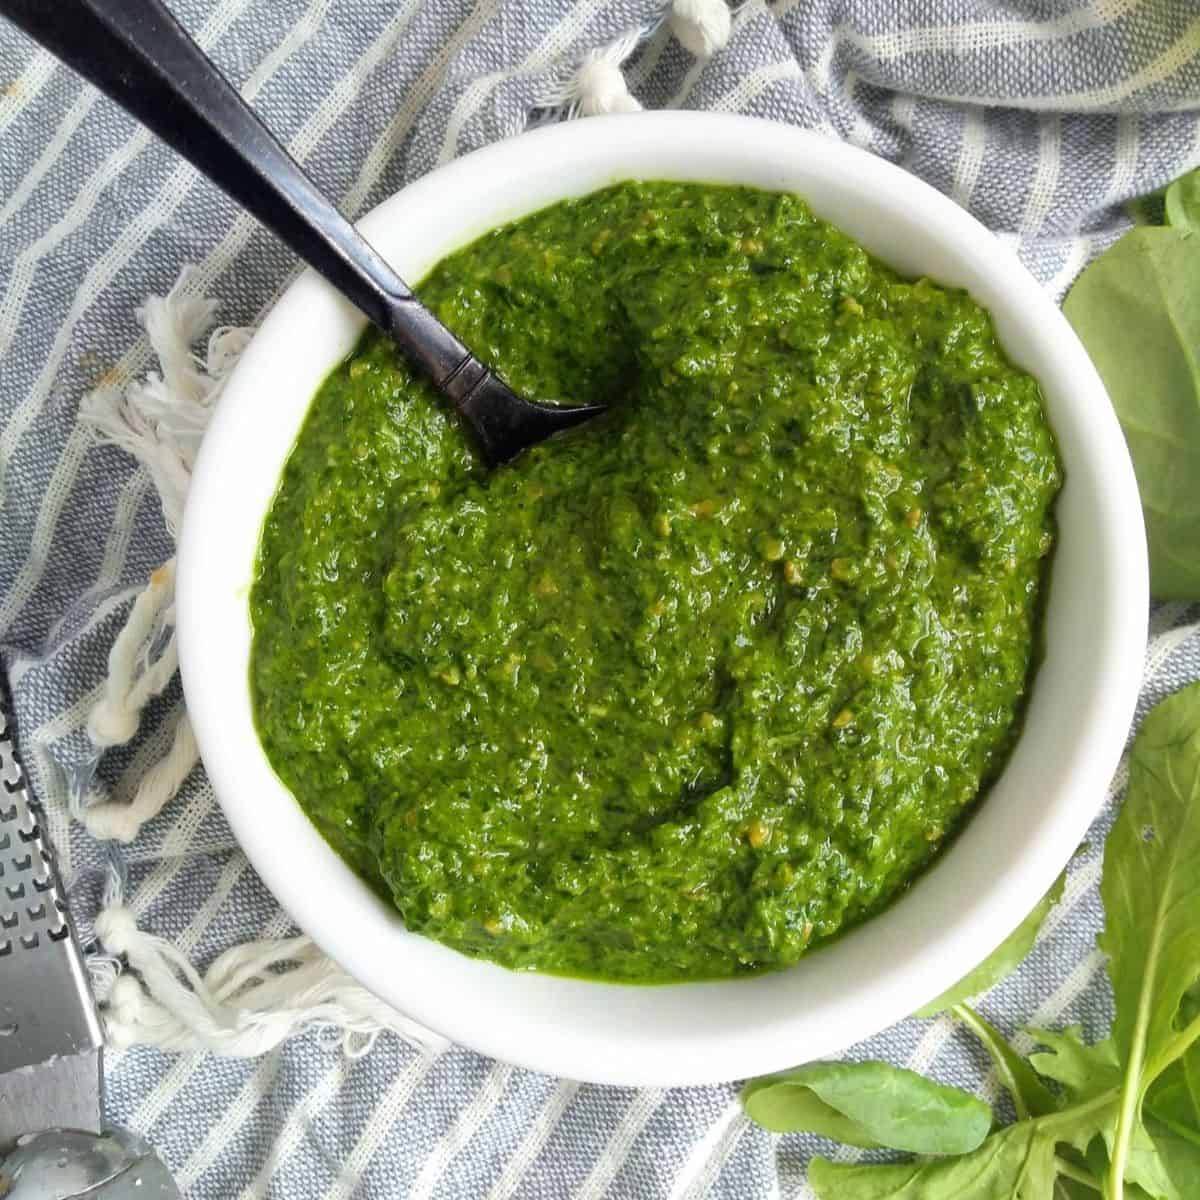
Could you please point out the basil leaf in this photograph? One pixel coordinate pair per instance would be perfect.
(1003, 960)
(1031, 1097)
(1182, 202)
(1137, 310)
(1016, 1163)
(869, 1104)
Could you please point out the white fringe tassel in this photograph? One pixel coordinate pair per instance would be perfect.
(597, 84)
(244, 1004)
(136, 674)
(161, 419)
(123, 822)
(254, 995)
(701, 26)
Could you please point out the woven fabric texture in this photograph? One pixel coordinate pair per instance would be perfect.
(1039, 116)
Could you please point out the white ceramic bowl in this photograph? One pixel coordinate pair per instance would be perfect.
(1013, 847)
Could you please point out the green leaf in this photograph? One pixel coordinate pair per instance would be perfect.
(1094, 1164)
(1180, 1159)
(1190, 1064)
(1174, 1098)
(1148, 209)
(1083, 1071)
(1003, 960)
(1182, 203)
(1068, 1189)
(1086, 1072)
(1137, 310)
(869, 1104)
(1030, 1095)
(1146, 1166)
(1151, 893)
(1151, 886)
(1092, 1161)
(1016, 1163)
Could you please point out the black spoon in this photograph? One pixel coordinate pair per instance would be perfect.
(138, 54)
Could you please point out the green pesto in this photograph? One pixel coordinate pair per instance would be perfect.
(694, 688)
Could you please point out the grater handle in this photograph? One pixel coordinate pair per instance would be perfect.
(50, 1037)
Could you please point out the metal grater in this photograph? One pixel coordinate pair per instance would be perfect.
(50, 1038)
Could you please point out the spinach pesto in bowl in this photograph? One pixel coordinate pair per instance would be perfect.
(690, 690)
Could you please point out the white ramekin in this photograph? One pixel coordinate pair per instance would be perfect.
(987, 880)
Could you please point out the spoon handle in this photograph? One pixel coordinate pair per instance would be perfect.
(140, 56)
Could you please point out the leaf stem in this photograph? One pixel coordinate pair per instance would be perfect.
(1079, 1174)
(1003, 1070)
(1071, 1115)
(1126, 1116)
(1132, 1085)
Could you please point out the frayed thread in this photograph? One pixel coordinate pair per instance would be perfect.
(161, 419)
(141, 663)
(702, 27)
(123, 822)
(597, 84)
(250, 999)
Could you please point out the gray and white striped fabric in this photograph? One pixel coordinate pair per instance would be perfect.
(1040, 116)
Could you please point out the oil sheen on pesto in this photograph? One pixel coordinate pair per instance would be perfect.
(692, 689)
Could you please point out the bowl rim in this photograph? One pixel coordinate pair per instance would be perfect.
(695, 1033)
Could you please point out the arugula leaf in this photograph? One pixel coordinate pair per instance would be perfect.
(1137, 310)
(1003, 960)
(1017, 1163)
(1172, 1119)
(869, 1104)
(1147, 210)
(1179, 1156)
(1174, 1098)
(1151, 893)
(1145, 1165)
(1151, 885)
(1177, 205)
(1083, 1071)
(1080, 1175)
(1076, 1166)
(1086, 1072)
(1030, 1095)
(1182, 202)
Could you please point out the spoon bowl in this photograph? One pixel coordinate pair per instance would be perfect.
(142, 58)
